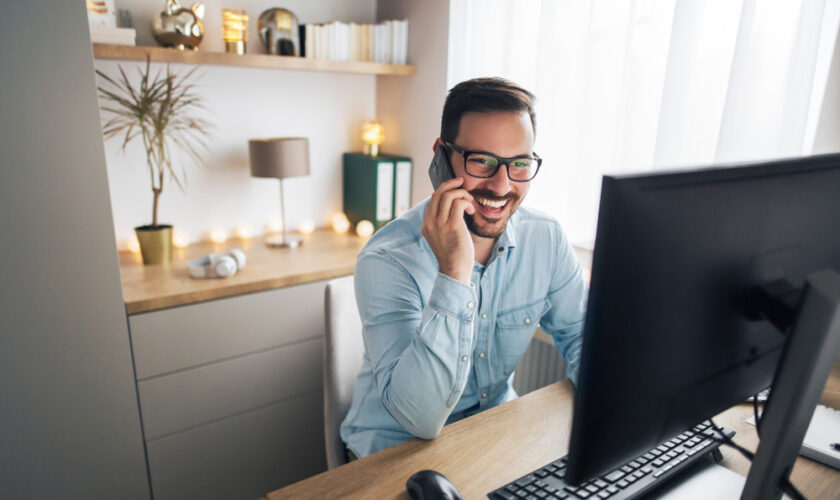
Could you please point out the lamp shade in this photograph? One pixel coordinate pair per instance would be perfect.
(279, 158)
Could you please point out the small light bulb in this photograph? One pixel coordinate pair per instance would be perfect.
(340, 223)
(244, 232)
(180, 240)
(273, 225)
(133, 244)
(306, 226)
(364, 228)
(218, 236)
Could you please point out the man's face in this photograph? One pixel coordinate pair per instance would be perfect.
(506, 134)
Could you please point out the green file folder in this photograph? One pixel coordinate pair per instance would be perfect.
(376, 188)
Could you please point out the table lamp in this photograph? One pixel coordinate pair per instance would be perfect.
(280, 158)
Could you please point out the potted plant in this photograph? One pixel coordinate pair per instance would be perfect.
(159, 110)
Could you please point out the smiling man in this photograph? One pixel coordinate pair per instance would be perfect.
(451, 292)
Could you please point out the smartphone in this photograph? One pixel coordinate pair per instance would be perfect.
(440, 170)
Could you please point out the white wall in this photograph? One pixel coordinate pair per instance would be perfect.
(69, 417)
(410, 108)
(245, 103)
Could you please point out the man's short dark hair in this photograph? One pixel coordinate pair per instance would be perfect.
(483, 95)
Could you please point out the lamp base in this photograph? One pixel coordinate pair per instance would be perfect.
(281, 242)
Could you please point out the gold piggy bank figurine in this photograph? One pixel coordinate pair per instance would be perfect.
(179, 27)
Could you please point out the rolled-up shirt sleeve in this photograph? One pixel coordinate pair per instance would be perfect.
(419, 352)
(568, 295)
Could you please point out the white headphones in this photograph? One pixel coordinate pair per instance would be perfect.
(218, 265)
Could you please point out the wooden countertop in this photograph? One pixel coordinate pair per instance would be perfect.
(323, 255)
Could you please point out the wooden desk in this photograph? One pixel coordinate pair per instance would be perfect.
(532, 431)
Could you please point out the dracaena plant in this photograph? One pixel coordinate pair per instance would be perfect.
(160, 109)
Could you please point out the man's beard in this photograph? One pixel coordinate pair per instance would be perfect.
(512, 204)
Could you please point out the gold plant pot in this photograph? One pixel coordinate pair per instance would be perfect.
(155, 243)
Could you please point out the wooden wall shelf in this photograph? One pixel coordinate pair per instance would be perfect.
(162, 54)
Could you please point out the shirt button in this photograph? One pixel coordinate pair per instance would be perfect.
(501, 249)
(481, 355)
(463, 358)
(527, 321)
(484, 274)
(470, 305)
(484, 395)
(484, 316)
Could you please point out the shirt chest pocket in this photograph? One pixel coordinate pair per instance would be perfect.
(514, 329)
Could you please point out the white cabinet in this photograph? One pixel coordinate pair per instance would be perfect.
(231, 393)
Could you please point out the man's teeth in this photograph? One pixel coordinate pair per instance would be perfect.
(492, 203)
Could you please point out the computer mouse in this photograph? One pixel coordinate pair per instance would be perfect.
(431, 485)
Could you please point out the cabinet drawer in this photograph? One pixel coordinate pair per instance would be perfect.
(242, 457)
(185, 399)
(183, 337)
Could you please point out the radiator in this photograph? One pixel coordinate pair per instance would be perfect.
(540, 366)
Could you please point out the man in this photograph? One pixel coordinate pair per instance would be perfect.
(451, 292)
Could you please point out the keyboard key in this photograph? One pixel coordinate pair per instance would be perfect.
(525, 481)
(560, 473)
(531, 488)
(550, 468)
(522, 493)
(604, 494)
(592, 488)
(532, 497)
(634, 464)
(600, 483)
(503, 495)
(550, 489)
(638, 474)
(512, 488)
(612, 489)
(583, 494)
(649, 456)
(540, 484)
(642, 460)
(661, 448)
(541, 473)
(614, 475)
(541, 494)
(622, 484)
(626, 469)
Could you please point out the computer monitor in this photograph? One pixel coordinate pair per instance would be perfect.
(675, 330)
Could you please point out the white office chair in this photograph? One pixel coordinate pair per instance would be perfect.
(343, 353)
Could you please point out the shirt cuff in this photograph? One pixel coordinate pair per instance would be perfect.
(453, 297)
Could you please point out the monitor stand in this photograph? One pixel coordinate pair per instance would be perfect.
(800, 378)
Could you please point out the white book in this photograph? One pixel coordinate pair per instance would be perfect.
(107, 34)
(822, 433)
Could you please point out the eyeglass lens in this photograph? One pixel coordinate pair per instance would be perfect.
(484, 165)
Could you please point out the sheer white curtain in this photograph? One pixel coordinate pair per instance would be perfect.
(642, 85)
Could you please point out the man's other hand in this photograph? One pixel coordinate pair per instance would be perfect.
(446, 232)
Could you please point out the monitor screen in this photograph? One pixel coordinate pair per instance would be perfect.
(668, 341)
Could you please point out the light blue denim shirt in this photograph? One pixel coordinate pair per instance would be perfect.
(438, 350)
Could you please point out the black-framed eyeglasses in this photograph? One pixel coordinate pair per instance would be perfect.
(483, 165)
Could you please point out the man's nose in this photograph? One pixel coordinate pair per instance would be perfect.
(499, 183)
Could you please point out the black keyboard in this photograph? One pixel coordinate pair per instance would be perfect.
(631, 480)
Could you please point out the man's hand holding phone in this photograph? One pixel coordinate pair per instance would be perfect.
(446, 232)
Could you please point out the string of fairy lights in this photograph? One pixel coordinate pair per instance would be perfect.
(338, 222)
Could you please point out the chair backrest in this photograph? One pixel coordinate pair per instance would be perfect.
(343, 353)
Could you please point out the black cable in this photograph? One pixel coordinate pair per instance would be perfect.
(757, 416)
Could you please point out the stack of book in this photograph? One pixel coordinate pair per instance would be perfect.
(106, 34)
(386, 42)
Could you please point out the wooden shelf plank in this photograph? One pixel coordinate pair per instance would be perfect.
(162, 54)
(323, 255)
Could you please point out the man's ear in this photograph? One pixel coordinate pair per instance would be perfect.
(438, 143)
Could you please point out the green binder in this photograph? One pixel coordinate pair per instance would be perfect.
(376, 188)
